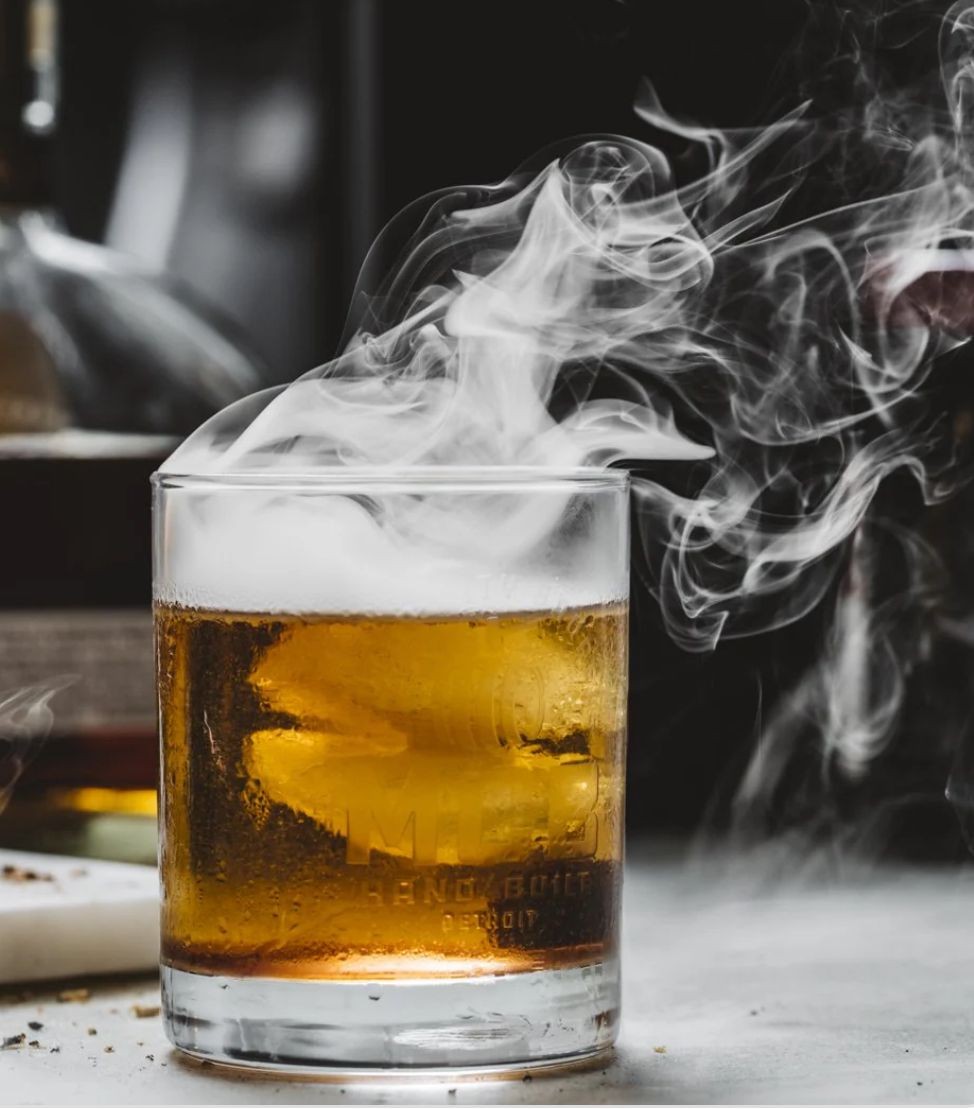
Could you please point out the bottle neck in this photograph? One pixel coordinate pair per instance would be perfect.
(27, 36)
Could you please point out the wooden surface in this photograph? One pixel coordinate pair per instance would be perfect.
(742, 987)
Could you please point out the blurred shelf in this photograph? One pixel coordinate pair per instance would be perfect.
(87, 823)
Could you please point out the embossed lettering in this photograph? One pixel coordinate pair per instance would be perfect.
(513, 886)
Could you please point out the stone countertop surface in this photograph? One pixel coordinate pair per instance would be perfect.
(752, 980)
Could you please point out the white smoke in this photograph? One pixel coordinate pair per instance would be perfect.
(763, 324)
(26, 719)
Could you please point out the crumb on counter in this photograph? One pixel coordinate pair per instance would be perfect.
(143, 1011)
(24, 874)
(80, 994)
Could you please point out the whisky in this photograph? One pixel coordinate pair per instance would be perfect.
(354, 797)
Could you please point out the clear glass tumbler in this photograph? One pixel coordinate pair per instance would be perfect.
(392, 708)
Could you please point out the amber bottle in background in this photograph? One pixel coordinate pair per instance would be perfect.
(104, 365)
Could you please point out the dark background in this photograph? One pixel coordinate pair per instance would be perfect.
(259, 147)
(255, 149)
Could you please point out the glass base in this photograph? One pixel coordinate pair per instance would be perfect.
(525, 1020)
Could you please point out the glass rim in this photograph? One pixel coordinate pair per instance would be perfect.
(370, 477)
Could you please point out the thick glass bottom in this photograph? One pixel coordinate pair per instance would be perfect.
(522, 1021)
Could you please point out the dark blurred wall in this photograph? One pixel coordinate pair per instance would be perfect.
(467, 97)
(255, 147)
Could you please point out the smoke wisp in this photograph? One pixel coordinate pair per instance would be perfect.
(26, 719)
(753, 339)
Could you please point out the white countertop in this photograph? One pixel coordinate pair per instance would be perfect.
(855, 990)
(62, 916)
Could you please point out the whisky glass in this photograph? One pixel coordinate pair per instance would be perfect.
(392, 713)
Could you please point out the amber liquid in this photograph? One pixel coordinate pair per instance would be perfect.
(348, 797)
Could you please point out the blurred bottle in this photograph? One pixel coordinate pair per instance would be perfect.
(104, 364)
